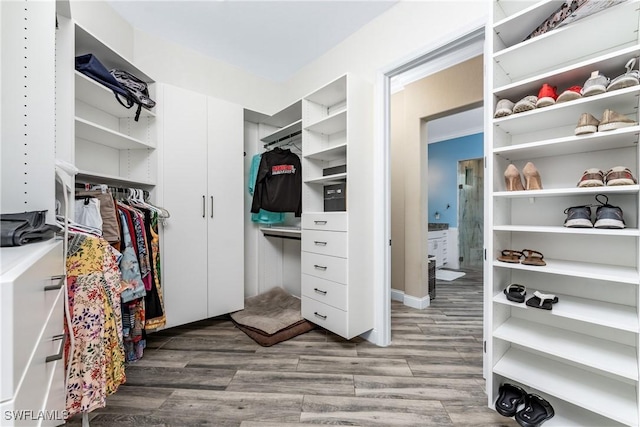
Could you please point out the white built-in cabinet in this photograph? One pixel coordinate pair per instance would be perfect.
(337, 291)
(202, 188)
(582, 355)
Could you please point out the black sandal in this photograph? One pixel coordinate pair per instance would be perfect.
(536, 411)
(543, 301)
(510, 397)
(515, 292)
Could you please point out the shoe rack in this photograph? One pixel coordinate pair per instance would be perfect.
(583, 354)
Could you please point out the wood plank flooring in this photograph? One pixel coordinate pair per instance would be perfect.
(209, 373)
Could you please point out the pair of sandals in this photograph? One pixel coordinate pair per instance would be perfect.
(536, 410)
(530, 256)
(516, 293)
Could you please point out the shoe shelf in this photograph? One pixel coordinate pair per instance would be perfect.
(600, 354)
(611, 65)
(581, 387)
(598, 141)
(563, 192)
(630, 232)
(624, 101)
(617, 316)
(578, 40)
(514, 28)
(587, 270)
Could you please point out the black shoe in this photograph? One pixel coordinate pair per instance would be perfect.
(608, 216)
(536, 411)
(510, 397)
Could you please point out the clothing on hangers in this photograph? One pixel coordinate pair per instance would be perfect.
(278, 186)
(263, 216)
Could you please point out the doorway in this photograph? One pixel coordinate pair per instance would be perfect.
(470, 213)
(465, 44)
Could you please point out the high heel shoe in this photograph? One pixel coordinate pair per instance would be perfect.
(512, 179)
(531, 177)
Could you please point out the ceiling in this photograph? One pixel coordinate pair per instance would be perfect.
(272, 39)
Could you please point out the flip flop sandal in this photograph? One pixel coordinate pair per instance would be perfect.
(515, 292)
(536, 411)
(509, 398)
(543, 301)
(532, 257)
(511, 256)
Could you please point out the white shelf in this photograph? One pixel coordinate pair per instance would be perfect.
(607, 356)
(574, 191)
(329, 179)
(336, 152)
(331, 94)
(87, 43)
(611, 65)
(93, 93)
(283, 132)
(632, 232)
(578, 41)
(334, 123)
(613, 399)
(568, 415)
(100, 178)
(277, 231)
(617, 316)
(619, 138)
(99, 134)
(515, 28)
(568, 113)
(610, 273)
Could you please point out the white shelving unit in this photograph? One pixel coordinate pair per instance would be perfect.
(583, 355)
(336, 285)
(109, 145)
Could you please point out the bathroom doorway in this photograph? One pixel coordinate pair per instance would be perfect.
(470, 213)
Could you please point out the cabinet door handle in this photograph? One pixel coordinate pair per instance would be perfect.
(58, 285)
(320, 315)
(57, 356)
(320, 291)
(320, 243)
(320, 267)
(211, 206)
(204, 214)
(320, 222)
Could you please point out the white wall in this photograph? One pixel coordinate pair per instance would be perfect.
(400, 32)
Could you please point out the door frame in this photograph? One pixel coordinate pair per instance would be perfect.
(441, 54)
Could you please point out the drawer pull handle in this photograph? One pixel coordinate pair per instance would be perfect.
(58, 285)
(320, 222)
(320, 243)
(320, 291)
(57, 356)
(320, 267)
(320, 315)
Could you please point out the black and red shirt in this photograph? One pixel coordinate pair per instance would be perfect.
(278, 183)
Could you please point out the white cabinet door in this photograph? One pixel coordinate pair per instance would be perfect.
(184, 267)
(225, 207)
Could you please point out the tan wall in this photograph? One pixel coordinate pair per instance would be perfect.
(449, 91)
(397, 190)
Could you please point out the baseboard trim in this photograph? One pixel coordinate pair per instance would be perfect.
(410, 301)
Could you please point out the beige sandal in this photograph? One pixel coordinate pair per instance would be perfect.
(509, 255)
(532, 257)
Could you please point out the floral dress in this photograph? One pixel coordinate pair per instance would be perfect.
(95, 361)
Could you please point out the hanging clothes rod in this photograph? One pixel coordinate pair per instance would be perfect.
(284, 139)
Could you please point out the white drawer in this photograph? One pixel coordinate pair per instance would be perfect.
(325, 291)
(42, 387)
(325, 267)
(331, 221)
(324, 315)
(24, 308)
(333, 243)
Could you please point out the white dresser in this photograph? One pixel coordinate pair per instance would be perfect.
(32, 341)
